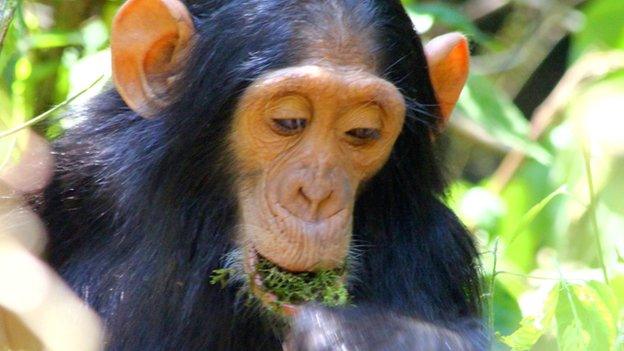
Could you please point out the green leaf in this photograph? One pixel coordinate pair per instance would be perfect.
(534, 211)
(507, 314)
(617, 284)
(487, 106)
(583, 309)
(450, 17)
(533, 327)
(607, 295)
(54, 39)
(603, 30)
(574, 339)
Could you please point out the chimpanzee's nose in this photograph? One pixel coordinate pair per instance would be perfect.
(314, 197)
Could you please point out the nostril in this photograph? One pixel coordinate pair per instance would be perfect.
(331, 205)
(322, 201)
(303, 195)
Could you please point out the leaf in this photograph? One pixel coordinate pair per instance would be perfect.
(583, 308)
(607, 295)
(54, 39)
(574, 339)
(507, 314)
(449, 16)
(481, 207)
(487, 106)
(534, 211)
(603, 28)
(617, 284)
(533, 327)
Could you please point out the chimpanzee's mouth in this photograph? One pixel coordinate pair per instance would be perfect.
(283, 291)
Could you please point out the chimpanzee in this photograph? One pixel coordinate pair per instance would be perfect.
(297, 131)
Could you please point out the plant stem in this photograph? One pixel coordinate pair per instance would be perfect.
(592, 211)
(492, 285)
(46, 114)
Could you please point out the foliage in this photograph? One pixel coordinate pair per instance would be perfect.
(538, 182)
(551, 227)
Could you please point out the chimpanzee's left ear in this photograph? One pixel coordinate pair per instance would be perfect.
(448, 57)
(149, 42)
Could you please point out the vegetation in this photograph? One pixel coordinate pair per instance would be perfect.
(325, 286)
(535, 149)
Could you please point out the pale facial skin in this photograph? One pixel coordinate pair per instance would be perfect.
(305, 139)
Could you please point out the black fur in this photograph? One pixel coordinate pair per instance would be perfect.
(140, 211)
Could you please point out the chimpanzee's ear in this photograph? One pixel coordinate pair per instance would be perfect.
(448, 57)
(149, 41)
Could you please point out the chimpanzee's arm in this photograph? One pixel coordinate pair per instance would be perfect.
(370, 329)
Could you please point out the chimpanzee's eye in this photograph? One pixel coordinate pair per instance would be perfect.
(364, 134)
(290, 126)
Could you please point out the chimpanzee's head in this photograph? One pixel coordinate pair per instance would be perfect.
(315, 114)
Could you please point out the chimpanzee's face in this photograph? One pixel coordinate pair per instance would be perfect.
(305, 139)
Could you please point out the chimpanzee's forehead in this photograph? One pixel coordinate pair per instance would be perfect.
(335, 32)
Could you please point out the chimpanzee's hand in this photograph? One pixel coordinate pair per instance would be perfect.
(367, 329)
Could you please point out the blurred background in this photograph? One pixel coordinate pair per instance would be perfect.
(535, 151)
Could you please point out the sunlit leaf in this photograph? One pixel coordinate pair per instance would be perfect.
(480, 207)
(617, 284)
(533, 327)
(604, 27)
(582, 307)
(95, 36)
(450, 17)
(574, 338)
(499, 117)
(54, 39)
(455, 193)
(534, 211)
(607, 296)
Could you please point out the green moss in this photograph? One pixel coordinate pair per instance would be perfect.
(221, 276)
(324, 286)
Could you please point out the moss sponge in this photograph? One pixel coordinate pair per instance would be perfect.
(325, 286)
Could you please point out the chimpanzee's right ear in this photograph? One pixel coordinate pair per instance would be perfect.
(448, 57)
(149, 42)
